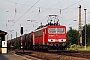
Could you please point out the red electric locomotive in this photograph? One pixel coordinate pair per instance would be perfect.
(52, 36)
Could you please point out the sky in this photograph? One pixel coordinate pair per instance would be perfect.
(17, 12)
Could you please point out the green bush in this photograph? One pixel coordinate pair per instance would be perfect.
(11, 47)
(16, 45)
(73, 46)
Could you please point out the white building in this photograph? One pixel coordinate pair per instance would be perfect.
(3, 42)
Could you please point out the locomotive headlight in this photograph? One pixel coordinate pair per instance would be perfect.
(62, 40)
(51, 40)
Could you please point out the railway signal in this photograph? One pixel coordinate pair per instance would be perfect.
(21, 30)
(21, 38)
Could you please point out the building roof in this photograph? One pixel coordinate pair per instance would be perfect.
(3, 32)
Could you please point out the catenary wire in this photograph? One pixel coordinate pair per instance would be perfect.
(24, 14)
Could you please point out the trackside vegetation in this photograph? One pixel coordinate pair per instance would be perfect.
(73, 38)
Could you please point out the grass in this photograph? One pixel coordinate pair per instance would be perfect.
(78, 47)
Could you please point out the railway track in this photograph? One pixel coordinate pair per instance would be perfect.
(56, 55)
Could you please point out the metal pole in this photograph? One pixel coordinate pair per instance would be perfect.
(16, 34)
(80, 28)
(85, 28)
(11, 36)
(21, 42)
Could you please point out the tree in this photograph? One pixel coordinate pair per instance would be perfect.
(16, 45)
(72, 37)
(87, 35)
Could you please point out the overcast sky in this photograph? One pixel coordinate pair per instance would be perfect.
(19, 11)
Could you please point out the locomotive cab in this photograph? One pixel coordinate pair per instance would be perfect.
(56, 37)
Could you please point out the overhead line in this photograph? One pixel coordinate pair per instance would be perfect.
(17, 3)
(34, 6)
(48, 8)
(72, 17)
(24, 13)
(70, 5)
(23, 5)
(62, 9)
(53, 6)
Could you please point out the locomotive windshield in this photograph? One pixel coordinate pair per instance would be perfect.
(52, 30)
(56, 30)
(60, 30)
